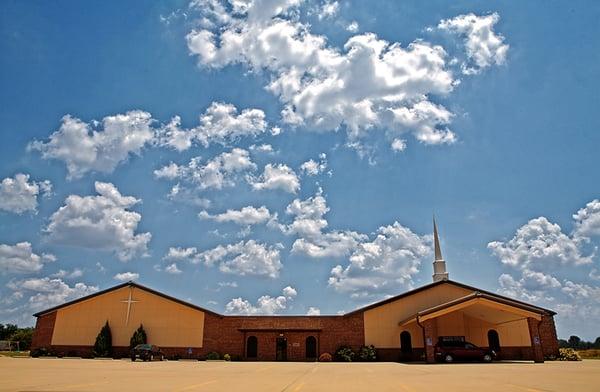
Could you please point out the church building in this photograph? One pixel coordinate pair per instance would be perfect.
(401, 328)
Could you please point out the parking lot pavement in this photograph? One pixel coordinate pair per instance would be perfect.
(51, 374)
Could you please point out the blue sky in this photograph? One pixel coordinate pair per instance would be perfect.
(314, 141)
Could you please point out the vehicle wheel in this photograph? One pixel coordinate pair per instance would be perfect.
(162, 358)
(151, 357)
(487, 358)
(132, 359)
(448, 358)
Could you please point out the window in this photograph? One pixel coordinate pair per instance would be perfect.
(252, 347)
(311, 347)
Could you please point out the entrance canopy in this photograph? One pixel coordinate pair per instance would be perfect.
(494, 310)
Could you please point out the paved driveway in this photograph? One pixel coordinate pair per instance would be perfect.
(28, 374)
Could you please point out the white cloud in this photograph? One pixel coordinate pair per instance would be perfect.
(328, 9)
(216, 173)
(86, 147)
(484, 46)
(370, 84)
(172, 269)
(242, 258)
(539, 244)
(399, 145)
(221, 123)
(352, 27)
(587, 220)
(246, 216)
(383, 265)
(18, 195)
(227, 284)
(313, 168)
(50, 292)
(276, 177)
(312, 311)
(309, 224)
(264, 148)
(63, 274)
(265, 304)
(19, 258)
(100, 222)
(127, 276)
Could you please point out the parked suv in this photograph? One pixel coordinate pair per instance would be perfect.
(455, 350)
(146, 352)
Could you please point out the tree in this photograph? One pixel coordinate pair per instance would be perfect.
(574, 341)
(7, 330)
(138, 337)
(597, 342)
(103, 345)
(23, 336)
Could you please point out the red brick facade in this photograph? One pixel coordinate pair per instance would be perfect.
(44, 327)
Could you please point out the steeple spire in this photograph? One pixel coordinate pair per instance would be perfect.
(439, 265)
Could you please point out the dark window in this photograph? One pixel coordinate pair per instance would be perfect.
(281, 349)
(405, 343)
(493, 340)
(311, 347)
(252, 347)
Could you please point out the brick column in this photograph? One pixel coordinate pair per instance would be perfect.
(430, 337)
(536, 344)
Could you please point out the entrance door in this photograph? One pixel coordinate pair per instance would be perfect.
(493, 340)
(281, 349)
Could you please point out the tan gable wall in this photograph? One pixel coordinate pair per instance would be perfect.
(381, 323)
(167, 323)
(475, 330)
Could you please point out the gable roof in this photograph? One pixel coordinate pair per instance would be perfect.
(462, 285)
(120, 286)
(363, 309)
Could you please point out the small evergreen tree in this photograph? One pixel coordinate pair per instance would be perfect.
(138, 337)
(103, 345)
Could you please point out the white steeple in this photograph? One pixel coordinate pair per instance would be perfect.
(439, 265)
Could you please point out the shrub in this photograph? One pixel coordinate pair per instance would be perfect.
(39, 352)
(568, 354)
(138, 337)
(227, 357)
(367, 353)
(325, 357)
(103, 345)
(344, 354)
(23, 336)
(212, 356)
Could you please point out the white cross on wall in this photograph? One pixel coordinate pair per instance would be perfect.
(129, 301)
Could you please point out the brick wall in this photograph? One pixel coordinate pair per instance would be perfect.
(547, 331)
(44, 327)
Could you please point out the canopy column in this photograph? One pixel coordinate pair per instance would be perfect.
(430, 337)
(536, 343)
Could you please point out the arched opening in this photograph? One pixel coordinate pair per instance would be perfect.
(252, 347)
(493, 340)
(281, 349)
(311, 347)
(405, 343)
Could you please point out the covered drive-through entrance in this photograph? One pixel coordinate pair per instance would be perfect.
(509, 328)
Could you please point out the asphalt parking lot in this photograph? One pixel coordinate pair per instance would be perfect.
(51, 374)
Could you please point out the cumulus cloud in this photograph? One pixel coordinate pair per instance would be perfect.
(243, 258)
(484, 46)
(127, 276)
(221, 123)
(539, 244)
(101, 222)
(370, 84)
(50, 292)
(172, 269)
(20, 258)
(246, 216)
(587, 220)
(264, 305)
(381, 266)
(217, 173)
(277, 176)
(309, 226)
(63, 274)
(97, 146)
(18, 194)
(312, 311)
(312, 167)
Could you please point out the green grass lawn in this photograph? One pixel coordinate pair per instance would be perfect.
(14, 353)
